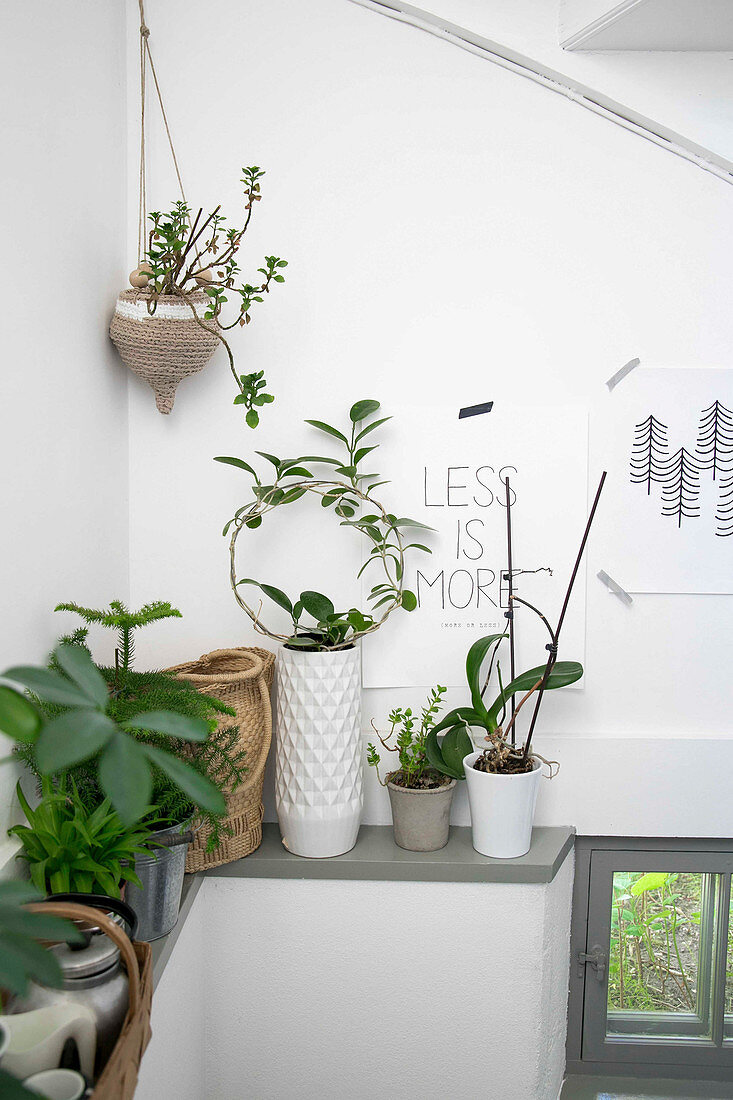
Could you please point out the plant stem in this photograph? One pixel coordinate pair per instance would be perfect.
(553, 646)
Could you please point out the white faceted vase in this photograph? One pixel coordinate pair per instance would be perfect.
(318, 765)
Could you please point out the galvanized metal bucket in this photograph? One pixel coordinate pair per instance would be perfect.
(157, 902)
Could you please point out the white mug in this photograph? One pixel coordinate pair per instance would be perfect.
(57, 1084)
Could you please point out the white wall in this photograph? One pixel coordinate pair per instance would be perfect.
(322, 990)
(444, 221)
(174, 1064)
(63, 413)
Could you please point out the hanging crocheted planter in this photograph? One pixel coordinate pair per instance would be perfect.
(165, 346)
(169, 325)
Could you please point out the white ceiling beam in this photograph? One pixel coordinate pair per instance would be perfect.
(667, 25)
(556, 82)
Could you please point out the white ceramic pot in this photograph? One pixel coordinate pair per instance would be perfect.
(502, 809)
(318, 761)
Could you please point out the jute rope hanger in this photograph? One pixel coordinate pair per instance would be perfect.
(146, 58)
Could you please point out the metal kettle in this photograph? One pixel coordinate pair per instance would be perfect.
(92, 973)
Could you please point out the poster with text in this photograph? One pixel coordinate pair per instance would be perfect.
(668, 507)
(450, 474)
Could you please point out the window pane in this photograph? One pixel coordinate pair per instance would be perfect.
(660, 954)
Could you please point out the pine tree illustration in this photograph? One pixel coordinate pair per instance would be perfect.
(681, 487)
(715, 438)
(649, 453)
(724, 513)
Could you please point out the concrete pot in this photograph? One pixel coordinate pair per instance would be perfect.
(502, 809)
(318, 776)
(421, 818)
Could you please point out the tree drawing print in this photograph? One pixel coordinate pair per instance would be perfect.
(649, 453)
(724, 513)
(681, 487)
(715, 439)
(679, 473)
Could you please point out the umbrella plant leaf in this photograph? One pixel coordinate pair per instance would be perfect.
(125, 777)
(71, 738)
(49, 685)
(78, 664)
(199, 789)
(19, 719)
(170, 723)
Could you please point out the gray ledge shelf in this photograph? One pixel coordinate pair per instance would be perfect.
(377, 857)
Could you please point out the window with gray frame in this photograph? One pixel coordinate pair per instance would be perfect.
(651, 979)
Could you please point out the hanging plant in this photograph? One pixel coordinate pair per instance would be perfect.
(316, 624)
(169, 325)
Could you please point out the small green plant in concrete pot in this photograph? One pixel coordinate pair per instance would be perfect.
(420, 794)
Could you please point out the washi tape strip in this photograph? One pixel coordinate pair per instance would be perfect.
(612, 586)
(476, 410)
(621, 374)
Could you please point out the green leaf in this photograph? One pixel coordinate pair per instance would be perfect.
(174, 725)
(77, 663)
(48, 685)
(362, 409)
(409, 600)
(563, 673)
(252, 418)
(474, 661)
(275, 594)
(125, 777)
(653, 880)
(271, 458)
(372, 426)
(10, 1087)
(199, 789)
(253, 523)
(317, 605)
(240, 463)
(36, 960)
(462, 715)
(19, 719)
(434, 756)
(323, 427)
(39, 926)
(297, 471)
(456, 746)
(71, 738)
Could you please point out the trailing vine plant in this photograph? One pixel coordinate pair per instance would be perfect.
(316, 624)
(185, 255)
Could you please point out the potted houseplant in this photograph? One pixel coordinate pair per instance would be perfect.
(123, 767)
(70, 849)
(318, 780)
(169, 325)
(419, 793)
(503, 777)
(181, 781)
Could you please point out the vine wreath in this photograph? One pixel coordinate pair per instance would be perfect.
(332, 629)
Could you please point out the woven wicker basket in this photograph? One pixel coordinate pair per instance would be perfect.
(242, 679)
(165, 347)
(119, 1077)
